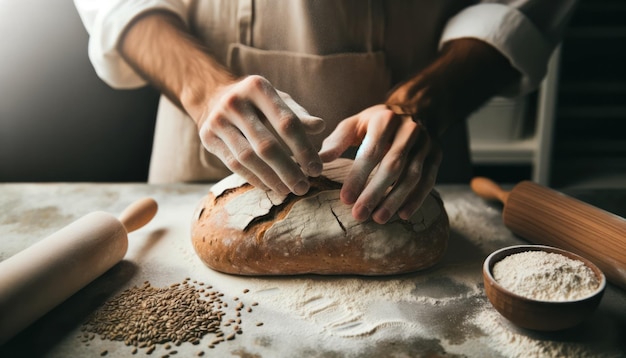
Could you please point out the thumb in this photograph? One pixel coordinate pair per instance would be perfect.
(312, 124)
(337, 142)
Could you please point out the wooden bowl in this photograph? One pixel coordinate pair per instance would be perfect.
(538, 314)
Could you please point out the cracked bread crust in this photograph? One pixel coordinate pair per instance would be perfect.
(239, 229)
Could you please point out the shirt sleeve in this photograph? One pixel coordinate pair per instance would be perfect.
(526, 33)
(105, 21)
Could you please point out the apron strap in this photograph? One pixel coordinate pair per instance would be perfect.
(245, 16)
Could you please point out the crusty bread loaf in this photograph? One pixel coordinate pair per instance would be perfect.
(243, 230)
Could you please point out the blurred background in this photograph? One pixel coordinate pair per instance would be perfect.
(59, 122)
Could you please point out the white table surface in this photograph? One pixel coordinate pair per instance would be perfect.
(440, 312)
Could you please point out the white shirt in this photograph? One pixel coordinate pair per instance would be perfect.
(334, 57)
(524, 31)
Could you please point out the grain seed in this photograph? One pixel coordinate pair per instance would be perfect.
(146, 316)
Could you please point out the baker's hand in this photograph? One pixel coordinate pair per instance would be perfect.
(255, 130)
(399, 154)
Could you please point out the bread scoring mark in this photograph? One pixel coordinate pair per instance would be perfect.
(291, 252)
(256, 206)
(339, 221)
(317, 218)
(245, 208)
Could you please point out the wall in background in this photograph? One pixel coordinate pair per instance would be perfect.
(590, 142)
(58, 121)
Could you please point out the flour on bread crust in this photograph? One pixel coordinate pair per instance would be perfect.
(244, 230)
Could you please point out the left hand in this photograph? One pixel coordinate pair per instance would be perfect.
(407, 157)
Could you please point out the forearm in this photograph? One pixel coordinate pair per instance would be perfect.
(159, 47)
(464, 76)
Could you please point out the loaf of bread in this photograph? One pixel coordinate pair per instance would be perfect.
(239, 229)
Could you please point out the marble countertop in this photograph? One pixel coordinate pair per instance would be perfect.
(440, 312)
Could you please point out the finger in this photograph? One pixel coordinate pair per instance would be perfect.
(241, 158)
(379, 134)
(312, 124)
(339, 140)
(266, 149)
(288, 126)
(409, 179)
(228, 125)
(391, 168)
(218, 148)
(257, 148)
(295, 106)
(426, 184)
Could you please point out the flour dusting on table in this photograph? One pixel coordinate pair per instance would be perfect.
(506, 340)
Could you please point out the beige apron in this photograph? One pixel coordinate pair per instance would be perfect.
(331, 85)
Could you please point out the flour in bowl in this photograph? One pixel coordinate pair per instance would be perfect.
(545, 276)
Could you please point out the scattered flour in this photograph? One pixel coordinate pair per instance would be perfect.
(338, 307)
(359, 307)
(346, 313)
(469, 220)
(545, 276)
(508, 341)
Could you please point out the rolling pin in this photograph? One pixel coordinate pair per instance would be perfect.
(37, 279)
(548, 217)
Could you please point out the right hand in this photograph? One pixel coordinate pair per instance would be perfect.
(255, 130)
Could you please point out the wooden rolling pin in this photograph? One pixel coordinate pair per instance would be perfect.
(37, 279)
(545, 216)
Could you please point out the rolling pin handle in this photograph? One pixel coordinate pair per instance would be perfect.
(488, 189)
(138, 214)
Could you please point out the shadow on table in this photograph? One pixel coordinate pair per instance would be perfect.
(43, 334)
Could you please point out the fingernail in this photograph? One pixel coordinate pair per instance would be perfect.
(301, 188)
(283, 190)
(405, 214)
(361, 213)
(315, 168)
(381, 216)
(348, 197)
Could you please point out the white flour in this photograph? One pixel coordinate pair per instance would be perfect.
(508, 341)
(358, 307)
(347, 314)
(545, 276)
(469, 220)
